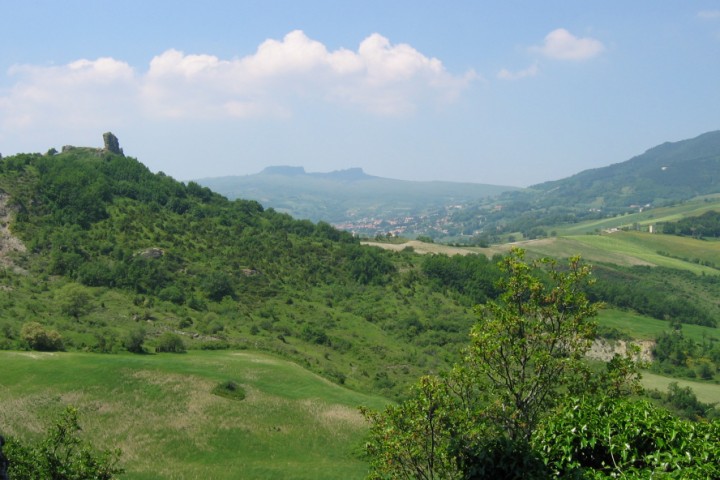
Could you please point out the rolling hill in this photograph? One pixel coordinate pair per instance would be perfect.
(667, 173)
(99, 257)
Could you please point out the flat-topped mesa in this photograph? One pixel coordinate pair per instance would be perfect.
(112, 144)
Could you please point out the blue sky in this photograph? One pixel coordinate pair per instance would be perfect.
(499, 92)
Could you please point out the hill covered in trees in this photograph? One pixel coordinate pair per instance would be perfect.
(114, 257)
(664, 175)
(101, 255)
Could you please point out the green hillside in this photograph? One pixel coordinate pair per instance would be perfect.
(159, 410)
(666, 177)
(664, 174)
(105, 265)
(111, 250)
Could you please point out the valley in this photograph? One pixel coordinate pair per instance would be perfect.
(133, 297)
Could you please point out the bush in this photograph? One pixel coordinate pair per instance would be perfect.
(170, 343)
(37, 338)
(229, 389)
(134, 340)
(606, 437)
(61, 455)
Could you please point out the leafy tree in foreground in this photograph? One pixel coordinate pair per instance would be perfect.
(61, 455)
(528, 346)
(601, 437)
(525, 354)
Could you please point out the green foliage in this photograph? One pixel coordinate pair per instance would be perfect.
(684, 402)
(170, 342)
(420, 437)
(703, 226)
(525, 355)
(473, 276)
(657, 292)
(229, 389)
(601, 437)
(37, 337)
(75, 300)
(62, 455)
(134, 340)
(529, 345)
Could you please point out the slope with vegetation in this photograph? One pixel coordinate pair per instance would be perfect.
(119, 258)
(100, 255)
(665, 175)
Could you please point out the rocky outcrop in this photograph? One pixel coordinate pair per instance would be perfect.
(9, 243)
(152, 252)
(112, 144)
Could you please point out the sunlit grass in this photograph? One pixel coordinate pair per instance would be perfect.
(160, 411)
(640, 327)
(705, 392)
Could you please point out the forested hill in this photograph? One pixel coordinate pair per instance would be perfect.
(664, 175)
(116, 257)
(667, 173)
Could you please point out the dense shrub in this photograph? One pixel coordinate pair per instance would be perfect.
(61, 455)
(601, 437)
(38, 338)
(170, 343)
(229, 389)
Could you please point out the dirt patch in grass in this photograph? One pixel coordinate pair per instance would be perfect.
(605, 350)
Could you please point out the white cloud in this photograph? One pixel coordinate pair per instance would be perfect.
(531, 71)
(379, 77)
(563, 45)
(46, 96)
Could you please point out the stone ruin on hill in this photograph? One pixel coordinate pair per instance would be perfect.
(110, 141)
(112, 144)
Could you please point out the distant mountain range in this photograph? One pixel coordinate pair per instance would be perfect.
(362, 203)
(350, 198)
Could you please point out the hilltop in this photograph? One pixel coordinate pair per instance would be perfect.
(99, 247)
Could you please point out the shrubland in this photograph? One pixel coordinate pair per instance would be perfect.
(117, 258)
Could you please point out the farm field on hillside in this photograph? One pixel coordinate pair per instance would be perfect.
(641, 327)
(705, 392)
(636, 248)
(160, 411)
(672, 213)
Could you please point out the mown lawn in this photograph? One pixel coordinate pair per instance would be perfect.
(159, 410)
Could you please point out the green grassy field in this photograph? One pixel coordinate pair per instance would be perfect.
(705, 392)
(673, 213)
(640, 327)
(159, 410)
(635, 248)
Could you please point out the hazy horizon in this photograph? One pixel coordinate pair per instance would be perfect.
(481, 92)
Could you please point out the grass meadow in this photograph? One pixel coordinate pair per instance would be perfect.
(705, 392)
(159, 411)
(640, 327)
(635, 248)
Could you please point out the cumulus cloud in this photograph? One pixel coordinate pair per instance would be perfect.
(379, 77)
(563, 45)
(531, 71)
(41, 94)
